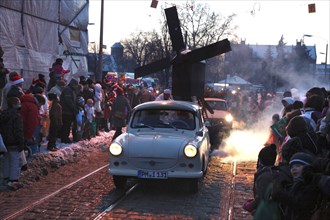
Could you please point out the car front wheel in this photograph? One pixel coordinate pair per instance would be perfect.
(119, 181)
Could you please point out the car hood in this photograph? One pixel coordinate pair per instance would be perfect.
(163, 148)
(158, 145)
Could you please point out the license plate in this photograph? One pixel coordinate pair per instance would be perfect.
(146, 174)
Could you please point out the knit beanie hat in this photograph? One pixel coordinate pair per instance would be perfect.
(267, 155)
(302, 158)
(296, 126)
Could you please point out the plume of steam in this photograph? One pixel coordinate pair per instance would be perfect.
(245, 144)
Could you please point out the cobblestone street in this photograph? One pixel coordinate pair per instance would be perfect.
(221, 194)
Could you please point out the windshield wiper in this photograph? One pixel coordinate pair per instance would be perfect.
(168, 125)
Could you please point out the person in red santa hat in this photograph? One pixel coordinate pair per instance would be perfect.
(16, 89)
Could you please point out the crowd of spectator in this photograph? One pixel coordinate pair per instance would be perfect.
(292, 180)
(61, 112)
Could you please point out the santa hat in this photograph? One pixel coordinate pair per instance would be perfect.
(16, 80)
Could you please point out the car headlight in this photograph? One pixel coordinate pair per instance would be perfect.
(115, 149)
(190, 151)
(229, 118)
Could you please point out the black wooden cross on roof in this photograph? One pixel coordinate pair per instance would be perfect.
(188, 68)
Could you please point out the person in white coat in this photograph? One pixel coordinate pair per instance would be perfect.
(166, 95)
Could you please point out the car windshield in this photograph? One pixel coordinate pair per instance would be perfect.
(218, 105)
(160, 118)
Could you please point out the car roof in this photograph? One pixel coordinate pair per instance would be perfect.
(172, 104)
(214, 99)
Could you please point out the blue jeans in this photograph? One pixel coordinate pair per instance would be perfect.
(35, 146)
(11, 166)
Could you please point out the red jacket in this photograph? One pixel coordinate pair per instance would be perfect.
(30, 115)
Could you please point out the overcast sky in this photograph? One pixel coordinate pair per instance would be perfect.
(259, 22)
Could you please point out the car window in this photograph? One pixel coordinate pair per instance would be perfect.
(218, 105)
(180, 119)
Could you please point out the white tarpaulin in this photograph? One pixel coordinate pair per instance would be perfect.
(33, 33)
(235, 80)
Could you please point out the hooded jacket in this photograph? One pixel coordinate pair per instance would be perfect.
(68, 99)
(11, 129)
(30, 115)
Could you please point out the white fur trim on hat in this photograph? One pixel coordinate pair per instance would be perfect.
(18, 81)
(299, 161)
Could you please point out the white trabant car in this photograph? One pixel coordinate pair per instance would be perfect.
(163, 140)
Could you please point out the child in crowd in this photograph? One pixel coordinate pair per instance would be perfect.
(98, 99)
(56, 73)
(11, 129)
(80, 118)
(298, 199)
(90, 128)
(55, 116)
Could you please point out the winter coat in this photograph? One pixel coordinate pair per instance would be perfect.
(98, 97)
(55, 113)
(11, 129)
(80, 118)
(30, 115)
(120, 110)
(4, 93)
(57, 71)
(90, 113)
(68, 101)
(3, 73)
(299, 200)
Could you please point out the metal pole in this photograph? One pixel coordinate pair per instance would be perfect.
(98, 76)
(326, 59)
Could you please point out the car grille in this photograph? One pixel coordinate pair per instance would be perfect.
(153, 163)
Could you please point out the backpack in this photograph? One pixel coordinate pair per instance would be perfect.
(266, 175)
(267, 208)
